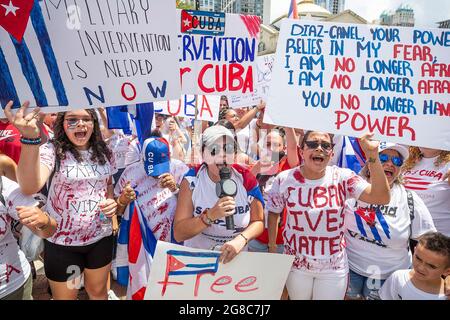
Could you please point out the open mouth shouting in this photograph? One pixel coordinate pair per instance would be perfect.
(318, 159)
(389, 173)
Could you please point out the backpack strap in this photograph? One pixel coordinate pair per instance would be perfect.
(46, 188)
(410, 200)
(412, 243)
(2, 198)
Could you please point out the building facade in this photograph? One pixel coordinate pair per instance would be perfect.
(334, 6)
(306, 10)
(403, 16)
(444, 24)
(253, 7)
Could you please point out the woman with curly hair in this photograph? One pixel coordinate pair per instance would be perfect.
(79, 165)
(427, 173)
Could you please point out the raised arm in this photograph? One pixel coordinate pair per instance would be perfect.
(31, 174)
(249, 116)
(378, 191)
(291, 143)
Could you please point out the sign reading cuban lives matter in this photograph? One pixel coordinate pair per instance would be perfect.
(216, 65)
(182, 273)
(208, 107)
(264, 75)
(86, 54)
(350, 79)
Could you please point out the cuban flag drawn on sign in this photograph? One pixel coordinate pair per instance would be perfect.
(65, 55)
(135, 250)
(182, 263)
(42, 81)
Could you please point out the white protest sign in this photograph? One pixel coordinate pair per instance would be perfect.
(208, 107)
(180, 273)
(92, 53)
(351, 79)
(264, 74)
(217, 65)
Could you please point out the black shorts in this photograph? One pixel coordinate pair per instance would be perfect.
(64, 262)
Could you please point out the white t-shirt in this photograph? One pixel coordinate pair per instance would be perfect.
(315, 221)
(157, 204)
(400, 287)
(74, 195)
(204, 197)
(426, 179)
(378, 251)
(125, 149)
(14, 267)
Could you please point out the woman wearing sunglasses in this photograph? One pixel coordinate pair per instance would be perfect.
(314, 195)
(200, 214)
(377, 237)
(80, 197)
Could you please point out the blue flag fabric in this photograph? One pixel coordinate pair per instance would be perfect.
(118, 118)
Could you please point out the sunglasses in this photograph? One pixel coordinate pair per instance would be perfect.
(228, 148)
(397, 161)
(72, 123)
(327, 146)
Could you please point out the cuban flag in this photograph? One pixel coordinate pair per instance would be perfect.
(135, 250)
(293, 12)
(373, 220)
(181, 263)
(42, 81)
(352, 156)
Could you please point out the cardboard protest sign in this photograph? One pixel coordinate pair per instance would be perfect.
(208, 107)
(264, 74)
(90, 53)
(350, 79)
(180, 273)
(216, 65)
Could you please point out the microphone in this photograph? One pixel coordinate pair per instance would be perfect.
(226, 187)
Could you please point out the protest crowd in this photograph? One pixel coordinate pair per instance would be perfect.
(89, 192)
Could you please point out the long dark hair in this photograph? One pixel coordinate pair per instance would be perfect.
(100, 151)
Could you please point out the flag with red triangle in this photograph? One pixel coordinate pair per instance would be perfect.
(367, 214)
(14, 16)
(186, 21)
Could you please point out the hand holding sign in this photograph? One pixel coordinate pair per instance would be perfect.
(26, 124)
(231, 249)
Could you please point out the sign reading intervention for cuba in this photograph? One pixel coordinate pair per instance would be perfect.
(91, 53)
(217, 65)
(350, 79)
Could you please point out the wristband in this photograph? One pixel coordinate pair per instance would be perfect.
(246, 240)
(46, 225)
(31, 141)
(204, 215)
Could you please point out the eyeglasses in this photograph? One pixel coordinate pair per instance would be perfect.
(397, 161)
(72, 123)
(228, 148)
(327, 146)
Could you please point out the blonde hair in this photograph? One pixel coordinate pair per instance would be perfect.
(415, 156)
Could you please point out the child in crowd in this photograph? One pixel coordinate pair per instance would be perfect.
(431, 262)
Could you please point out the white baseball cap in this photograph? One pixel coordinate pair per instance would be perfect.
(402, 150)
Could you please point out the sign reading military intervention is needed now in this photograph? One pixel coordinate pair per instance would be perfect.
(350, 79)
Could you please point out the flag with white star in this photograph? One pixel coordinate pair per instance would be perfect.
(14, 15)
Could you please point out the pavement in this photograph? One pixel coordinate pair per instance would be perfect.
(41, 291)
